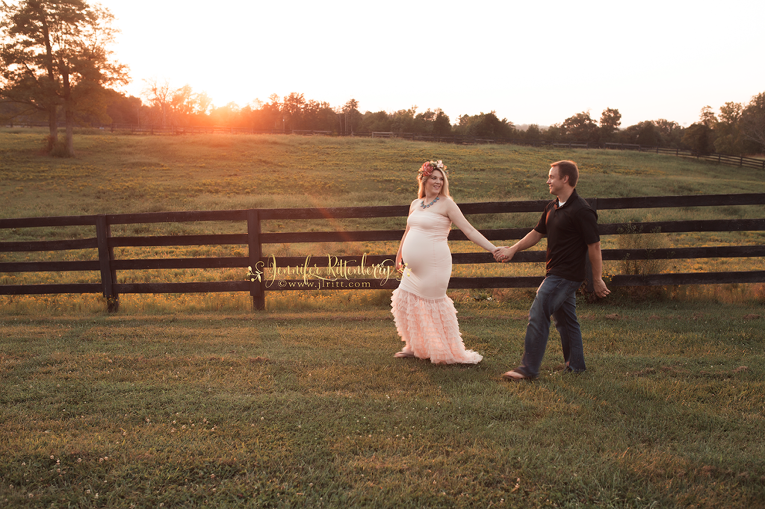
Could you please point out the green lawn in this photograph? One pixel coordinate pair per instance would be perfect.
(311, 409)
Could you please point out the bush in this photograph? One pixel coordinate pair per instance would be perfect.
(632, 237)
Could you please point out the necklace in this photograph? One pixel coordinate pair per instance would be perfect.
(422, 203)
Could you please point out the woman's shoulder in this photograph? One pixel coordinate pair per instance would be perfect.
(449, 201)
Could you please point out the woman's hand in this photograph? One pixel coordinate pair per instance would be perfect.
(503, 254)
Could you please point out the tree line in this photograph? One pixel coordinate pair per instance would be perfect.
(56, 64)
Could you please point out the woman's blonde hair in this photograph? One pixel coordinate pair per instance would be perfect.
(444, 188)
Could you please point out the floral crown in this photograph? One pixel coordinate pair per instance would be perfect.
(428, 166)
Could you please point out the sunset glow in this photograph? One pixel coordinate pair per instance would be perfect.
(531, 63)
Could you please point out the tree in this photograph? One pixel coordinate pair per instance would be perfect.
(647, 134)
(728, 138)
(643, 133)
(442, 125)
(292, 109)
(581, 128)
(203, 104)
(159, 96)
(122, 109)
(351, 116)
(226, 115)
(533, 135)
(423, 122)
(485, 125)
(707, 117)
(266, 116)
(610, 120)
(376, 122)
(402, 121)
(12, 112)
(753, 121)
(183, 102)
(554, 133)
(699, 138)
(55, 56)
(670, 132)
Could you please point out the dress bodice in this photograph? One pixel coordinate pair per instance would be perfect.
(431, 224)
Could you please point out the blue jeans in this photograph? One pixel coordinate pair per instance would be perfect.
(556, 297)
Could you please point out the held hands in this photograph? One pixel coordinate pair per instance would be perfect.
(503, 254)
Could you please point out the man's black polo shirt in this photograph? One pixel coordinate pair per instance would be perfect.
(569, 229)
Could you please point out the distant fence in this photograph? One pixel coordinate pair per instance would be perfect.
(747, 162)
(108, 266)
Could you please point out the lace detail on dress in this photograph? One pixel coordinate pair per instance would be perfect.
(429, 327)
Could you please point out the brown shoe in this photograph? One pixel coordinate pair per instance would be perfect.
(514, 376)
(403, 354)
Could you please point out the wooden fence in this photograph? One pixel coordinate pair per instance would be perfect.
(108, 265)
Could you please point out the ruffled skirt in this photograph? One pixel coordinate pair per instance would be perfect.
(429, 328)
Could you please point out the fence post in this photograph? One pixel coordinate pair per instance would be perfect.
(257, 289)
(105, 256)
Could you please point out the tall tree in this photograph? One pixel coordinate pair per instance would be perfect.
(670, 132)
(442, 125)
(351, 115)
(707, 117)
(160, 95)
(728, 130)
(610, 120)
(533, 135)
(699, 138)
(644, 133)
(293, 108)
(753, 121)
(485, 125)
(376, 122)
(581, 128)
(55, 55)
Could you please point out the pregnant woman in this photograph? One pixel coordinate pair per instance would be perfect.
(425, 317)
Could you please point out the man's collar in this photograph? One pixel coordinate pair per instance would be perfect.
(571, 197)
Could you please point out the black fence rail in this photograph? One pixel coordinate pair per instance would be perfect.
(374, 271)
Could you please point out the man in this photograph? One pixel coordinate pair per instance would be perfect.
(571, 228)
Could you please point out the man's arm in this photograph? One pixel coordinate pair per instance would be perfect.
(596, 260)
(505, 254)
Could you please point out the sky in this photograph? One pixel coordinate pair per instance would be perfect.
(531, 62)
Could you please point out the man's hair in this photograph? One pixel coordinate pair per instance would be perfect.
(567, 169)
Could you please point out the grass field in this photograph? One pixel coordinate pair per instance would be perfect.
(196, 401)
(310, 409)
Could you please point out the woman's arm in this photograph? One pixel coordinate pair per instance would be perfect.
(399, 264)
(456, 216)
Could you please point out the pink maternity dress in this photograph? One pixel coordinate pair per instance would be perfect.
(425, 317)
